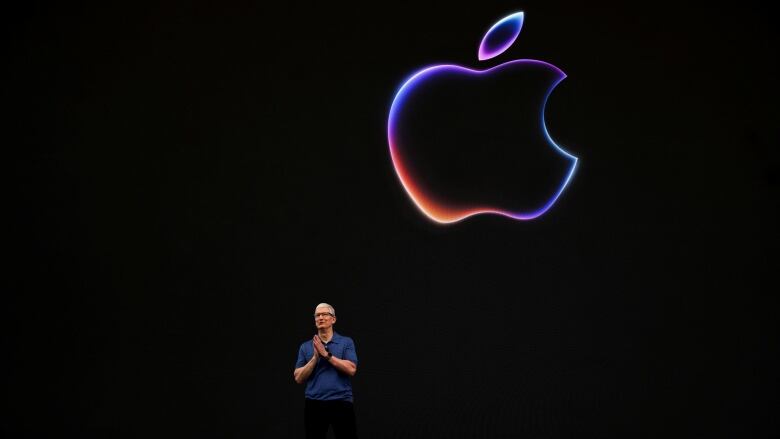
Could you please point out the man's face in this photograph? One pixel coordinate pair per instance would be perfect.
(323, 319)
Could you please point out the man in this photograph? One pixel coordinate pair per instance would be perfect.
(325, 364)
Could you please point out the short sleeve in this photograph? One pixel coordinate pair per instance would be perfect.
(301, 358)
(349, 352)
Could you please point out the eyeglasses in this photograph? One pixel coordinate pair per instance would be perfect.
(323, 314)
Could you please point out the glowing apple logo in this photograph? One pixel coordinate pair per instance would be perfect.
(455, 135)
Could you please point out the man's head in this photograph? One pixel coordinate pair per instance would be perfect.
(324, 316)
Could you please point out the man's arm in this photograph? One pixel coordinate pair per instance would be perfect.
(302, 373)
(343, 366)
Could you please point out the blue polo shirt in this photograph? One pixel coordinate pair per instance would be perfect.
(326, 383)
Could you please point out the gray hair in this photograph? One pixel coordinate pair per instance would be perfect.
(326, 305)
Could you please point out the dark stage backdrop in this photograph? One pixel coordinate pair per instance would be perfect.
(187, 180)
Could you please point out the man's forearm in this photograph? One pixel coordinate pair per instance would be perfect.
(344, 366)
(302, 373)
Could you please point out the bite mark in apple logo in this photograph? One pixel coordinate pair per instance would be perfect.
(411, 137)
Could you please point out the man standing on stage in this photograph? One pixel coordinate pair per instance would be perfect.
(325, 364)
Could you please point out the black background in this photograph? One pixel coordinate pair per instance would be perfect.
(188, 180)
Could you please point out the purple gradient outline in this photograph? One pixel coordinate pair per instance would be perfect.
(484, 53)
(398, 100)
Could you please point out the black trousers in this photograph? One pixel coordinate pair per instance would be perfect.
(319, 415)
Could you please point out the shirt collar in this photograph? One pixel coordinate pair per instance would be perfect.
(335, 339)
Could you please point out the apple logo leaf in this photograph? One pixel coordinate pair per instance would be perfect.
(500, 36)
